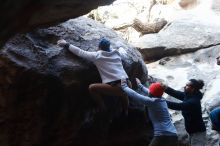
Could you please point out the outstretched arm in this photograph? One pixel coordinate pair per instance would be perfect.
(177, 94)
(77, 51)
(142, 87)
(179, 106)
(134, 95)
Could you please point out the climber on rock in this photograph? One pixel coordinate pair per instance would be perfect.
(109, 65)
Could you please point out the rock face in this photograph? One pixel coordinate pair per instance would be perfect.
(147, 12)
(24, 15)
(44, 99)
(184, 35)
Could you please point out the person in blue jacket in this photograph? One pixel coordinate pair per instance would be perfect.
(165, 133)
(215, 119)
(215, 113)
(191, 110)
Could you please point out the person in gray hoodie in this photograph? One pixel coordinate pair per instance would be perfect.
(165, 133)
(109, 65)
(215, 119)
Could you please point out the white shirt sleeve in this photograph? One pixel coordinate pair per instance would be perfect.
(91, 56)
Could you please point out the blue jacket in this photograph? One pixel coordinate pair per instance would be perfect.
(215, 118)
(190, 107)
(157, 110)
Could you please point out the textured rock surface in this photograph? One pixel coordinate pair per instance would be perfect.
(44, 99)
(183, 35)
(147, 12)
(24, 15)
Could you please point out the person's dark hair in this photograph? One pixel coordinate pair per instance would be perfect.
(104, 45)
(197, 84)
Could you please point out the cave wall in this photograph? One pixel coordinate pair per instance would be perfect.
(24, 15)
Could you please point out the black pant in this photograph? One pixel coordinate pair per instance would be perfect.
(164, 141)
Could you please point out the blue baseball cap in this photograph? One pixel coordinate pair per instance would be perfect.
(104, 45)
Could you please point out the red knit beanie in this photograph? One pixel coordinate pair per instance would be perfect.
(156, 89)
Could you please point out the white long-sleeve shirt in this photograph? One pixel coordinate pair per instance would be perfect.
(157, 110)
(109, 64)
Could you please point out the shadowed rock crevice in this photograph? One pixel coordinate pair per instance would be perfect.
(157, 53)
(26, 15)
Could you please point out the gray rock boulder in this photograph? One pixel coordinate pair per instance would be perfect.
(184, 35)
(44, 97)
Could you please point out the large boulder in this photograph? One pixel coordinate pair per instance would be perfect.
(44, 97)
(186, 34)
(114, 17)
(148, 12)
(24, 15)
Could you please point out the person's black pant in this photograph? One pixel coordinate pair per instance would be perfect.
(164, 141)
